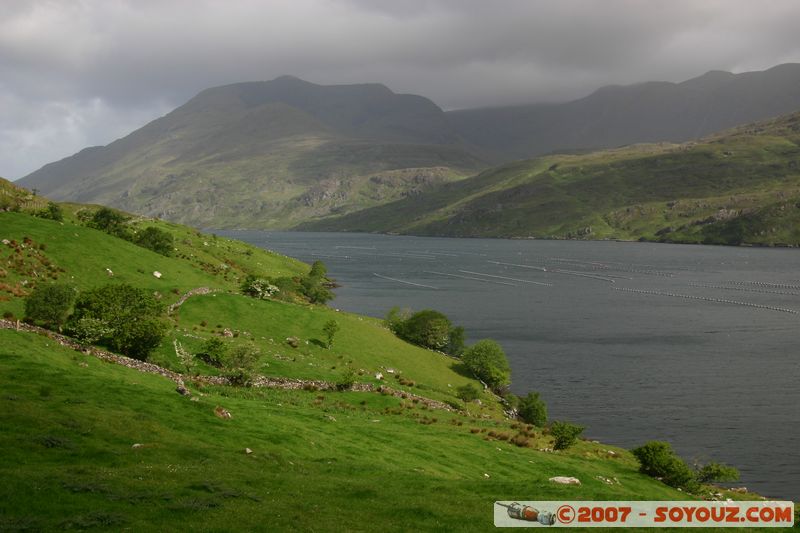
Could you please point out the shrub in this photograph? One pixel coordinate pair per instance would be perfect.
(468, 393)
(133, 318)
(488, 362)
(50, 305)
(90, 330)
(427, 328)
(657, 459)
(346, 380)
(53, 211)
(395, 319)
(715, 472)
(314, 284)
(565, 434)
(329, 329)
(533, 410)
(240, 364)
(212, 352)
(110, 221)
(258, 288)
(156, 239)
(455, 342)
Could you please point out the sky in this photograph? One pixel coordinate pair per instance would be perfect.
(78, 73)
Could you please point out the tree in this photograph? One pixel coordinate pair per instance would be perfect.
(395, 319)
(455, 342)
(329, 329)
(156, 239)
(50, 305)
(426, 328)
(565, 434)
(532, 409)
(110, 221)
(657, 459)
(240, 364)
(488, 362)
(132, 318)
(314, 284)
(468, 393)
(716, 472)
(213, 352)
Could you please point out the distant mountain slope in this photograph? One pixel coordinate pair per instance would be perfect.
(739, 186)
(265, 154)
(647, 112)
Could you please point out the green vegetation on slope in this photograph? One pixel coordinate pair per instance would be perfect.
(740, 186)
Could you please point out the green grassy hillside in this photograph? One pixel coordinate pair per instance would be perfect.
(740, 186)
(268, 155)
(89, 444)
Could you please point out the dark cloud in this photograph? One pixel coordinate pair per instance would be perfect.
(75, 73)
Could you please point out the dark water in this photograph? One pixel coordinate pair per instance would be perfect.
(716, 379)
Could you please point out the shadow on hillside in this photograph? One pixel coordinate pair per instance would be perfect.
(461, 368)
(318, 343)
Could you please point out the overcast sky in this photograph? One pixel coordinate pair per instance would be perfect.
(81, 73)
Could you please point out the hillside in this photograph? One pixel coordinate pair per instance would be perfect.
(90, 444)
(286, 152)
(738, 187)
(646, 112)
(268, 154)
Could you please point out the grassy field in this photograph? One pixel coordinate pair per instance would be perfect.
(738, 187)
(93, 445)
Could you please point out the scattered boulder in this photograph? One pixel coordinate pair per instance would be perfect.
(378, 375)
(248, 451)
(110, 272)
(741, 490)
(294, 342)
(183, 391)
(227, 333)
(157, 274)
(222, 413)
(565, 480)
(137, 445)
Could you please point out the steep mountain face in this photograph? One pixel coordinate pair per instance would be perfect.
(268, 154)
(647, 112)
(286, 152)
(738, 187)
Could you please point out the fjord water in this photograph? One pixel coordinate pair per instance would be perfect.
(691, 359)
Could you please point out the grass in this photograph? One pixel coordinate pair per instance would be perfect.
(740, 186)
(320, 461)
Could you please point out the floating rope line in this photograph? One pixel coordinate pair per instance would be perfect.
(520, 266)
(503, 277)
(406, 282)
(470, 277)
(706, 299)
(765, 284)
(744, 289)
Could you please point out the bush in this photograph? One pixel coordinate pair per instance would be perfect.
(212, 352)
(240, 364)
(488, 362)
(314, 284)
(53, 211)
(532, 409)
(50, 305)
(468, 393)
(329, 329)
(657, 459)
(715, 472)
(427, 328)
(565, 434)
(112, 222)
(131, 318)
(395, 319)
(455, 342)
(157, 240)
(258, 288)
(346, 380)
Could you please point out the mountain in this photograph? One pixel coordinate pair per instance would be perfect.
(741, 186)
(287, 153)
(647, 112)
(267, 154)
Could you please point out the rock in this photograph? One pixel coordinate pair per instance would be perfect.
(227, 333)
(248, 451)
(157, 274)
(194, 399)
(331, 418)
(741, 490)
(486, 475)
(564, 480)
(378, 375)
(183, 391)
(110, 273)
(137, 445)
(294, 342)
(222, 413)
